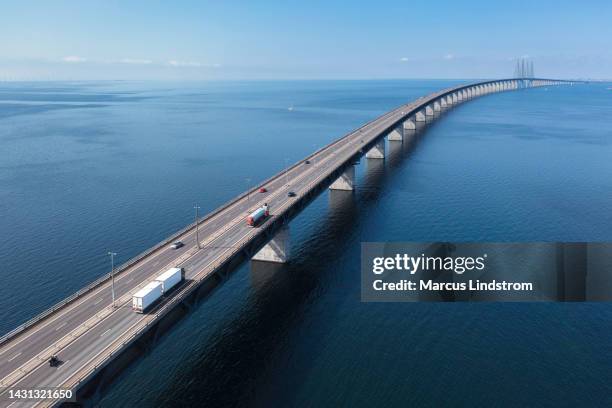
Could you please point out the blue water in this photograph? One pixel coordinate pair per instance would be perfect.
(97, 166)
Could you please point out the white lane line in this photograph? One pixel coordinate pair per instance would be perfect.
(129, 280)
(98, 301)
(156, 263)
(60, 326)
(15, 356)
(105, 332)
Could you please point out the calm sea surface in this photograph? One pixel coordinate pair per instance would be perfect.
(96, 166)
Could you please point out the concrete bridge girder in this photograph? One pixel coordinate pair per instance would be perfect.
(378, 151)
(277, 249)
(346, 181)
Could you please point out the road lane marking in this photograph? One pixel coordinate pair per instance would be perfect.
(15, 356)
(98, 301)
(102, 335)
(60, 326)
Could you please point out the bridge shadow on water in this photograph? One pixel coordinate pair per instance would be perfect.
(227, 371)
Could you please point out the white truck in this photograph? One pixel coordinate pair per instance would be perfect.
(170, 279)
(146, 296)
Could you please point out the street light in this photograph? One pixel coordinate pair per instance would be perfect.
(287, 171)
(248, 180)
(197, 207)
(112, 256)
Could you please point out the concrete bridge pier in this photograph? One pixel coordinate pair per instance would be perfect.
(420, 116)
(449, 100)
(455, 100)
(429, 111)
(459, 96)
(437, 107)
(409, 124)
(378, 151)
(277, 250)
(443, 104)
(397, 133)
(346, 181)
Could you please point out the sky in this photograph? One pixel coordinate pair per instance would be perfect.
(208, 40)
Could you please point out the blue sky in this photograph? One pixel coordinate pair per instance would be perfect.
(302, 39)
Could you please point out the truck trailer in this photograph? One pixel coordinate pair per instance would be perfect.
(170, 279)
(258, 215)
(146, 296)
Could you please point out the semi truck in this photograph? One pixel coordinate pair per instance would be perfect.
(146, 296)
(170, 279)
(153, 291)
(258, 215)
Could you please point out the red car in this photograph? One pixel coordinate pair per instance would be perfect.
(263, 190)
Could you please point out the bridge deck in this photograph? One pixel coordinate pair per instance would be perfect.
(87, 332)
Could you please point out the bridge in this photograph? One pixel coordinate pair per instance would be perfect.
(94, 339)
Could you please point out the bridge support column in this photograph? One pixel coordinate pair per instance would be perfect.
(409, 124)
(429, 111)
(449, 100)
(378, 151)
(469, 92)
(397, 133)
(437, 107)
(420, 116)
(443, 104)
(459, 96)
(464, 93)
(277, 250)
(346, 181)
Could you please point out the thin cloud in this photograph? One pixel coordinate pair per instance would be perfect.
(176, 63)
(449, 57)
(135, 61)
(74, 58)
(404, 59)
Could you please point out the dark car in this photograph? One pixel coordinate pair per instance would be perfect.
(291, 194)
(263, 190)
(54, 361)
(307, 162)
(177, 245)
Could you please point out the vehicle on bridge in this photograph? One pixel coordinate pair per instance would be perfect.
(291, 194)
(54, 361)
(170, 279)
(258, 215)
(177, 245)
(146, 296)
(263, 190)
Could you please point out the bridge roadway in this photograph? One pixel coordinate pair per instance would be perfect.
(88, 332)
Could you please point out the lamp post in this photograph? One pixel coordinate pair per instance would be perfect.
(197, 208)
(248, 180)
(287, 172)
(112, 256)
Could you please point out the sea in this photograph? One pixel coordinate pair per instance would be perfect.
(91, 167)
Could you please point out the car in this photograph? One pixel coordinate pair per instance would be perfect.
(177, 245)
(54, 361)
(291, 194)
(263, 190)
(307, 162)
